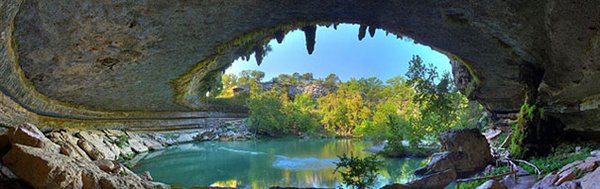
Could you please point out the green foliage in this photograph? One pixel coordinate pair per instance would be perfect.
(401, 109)
(122, 141)
(356, 172)
(302, 114)
(561, 156)
(526, 115)
(123, 173)
(343, 110)
(267, 116)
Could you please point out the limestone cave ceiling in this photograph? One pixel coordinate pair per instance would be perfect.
(68, 57)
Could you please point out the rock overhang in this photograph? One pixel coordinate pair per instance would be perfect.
(133, 55)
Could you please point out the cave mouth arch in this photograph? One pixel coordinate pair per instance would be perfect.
(256, 45)
(490, 38)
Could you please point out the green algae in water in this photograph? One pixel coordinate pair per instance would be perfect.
(263, 163)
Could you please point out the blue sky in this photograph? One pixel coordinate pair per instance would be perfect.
(340, 52)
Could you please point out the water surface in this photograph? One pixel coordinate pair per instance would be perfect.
(263, 163)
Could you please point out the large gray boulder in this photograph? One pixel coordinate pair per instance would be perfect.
(30, 135)
(464, 150)
(44, 169)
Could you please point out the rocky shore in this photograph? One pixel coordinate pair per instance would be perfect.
(92, 158)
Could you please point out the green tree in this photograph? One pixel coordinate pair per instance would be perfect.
(252, 78)
(343, 110)
(356, 172)
(267, 114)
(302, 114)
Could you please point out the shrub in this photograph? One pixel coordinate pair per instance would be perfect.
(358, 173)
(267, 116)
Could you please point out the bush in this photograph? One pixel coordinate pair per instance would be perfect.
(560, 157)
(267, 116)
(358, 173)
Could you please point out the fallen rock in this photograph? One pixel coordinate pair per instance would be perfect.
(44, 169)
(464, 150)
(491, 184)
(90, 150)
(29, 135)
(95, 140)
(106, 165)
(136, 143)
(432, 181)
(68, 144)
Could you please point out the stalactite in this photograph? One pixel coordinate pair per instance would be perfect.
(310, 33)
(362, 31)
(279, 35)
(372, 31)
(258, 54)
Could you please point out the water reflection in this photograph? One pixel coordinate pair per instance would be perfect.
(263, 163)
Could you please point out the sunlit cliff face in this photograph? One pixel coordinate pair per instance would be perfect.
(134, 60)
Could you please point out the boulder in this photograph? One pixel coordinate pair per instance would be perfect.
(151, 143)
(491, 184)
(136, 143)
(566, 175)
(29, 135)
(68, 144)
(595, 153)
(90, 150)
(106, 165)
(464, 150)
(591, 180)
(94, 143)
(432, 181)
(546, 182)
(45, 169)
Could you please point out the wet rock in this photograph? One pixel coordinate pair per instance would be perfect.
(464, 150)
(44, 169)
(491, 184)
(151, 143)
(146, 176)
(30, 135)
